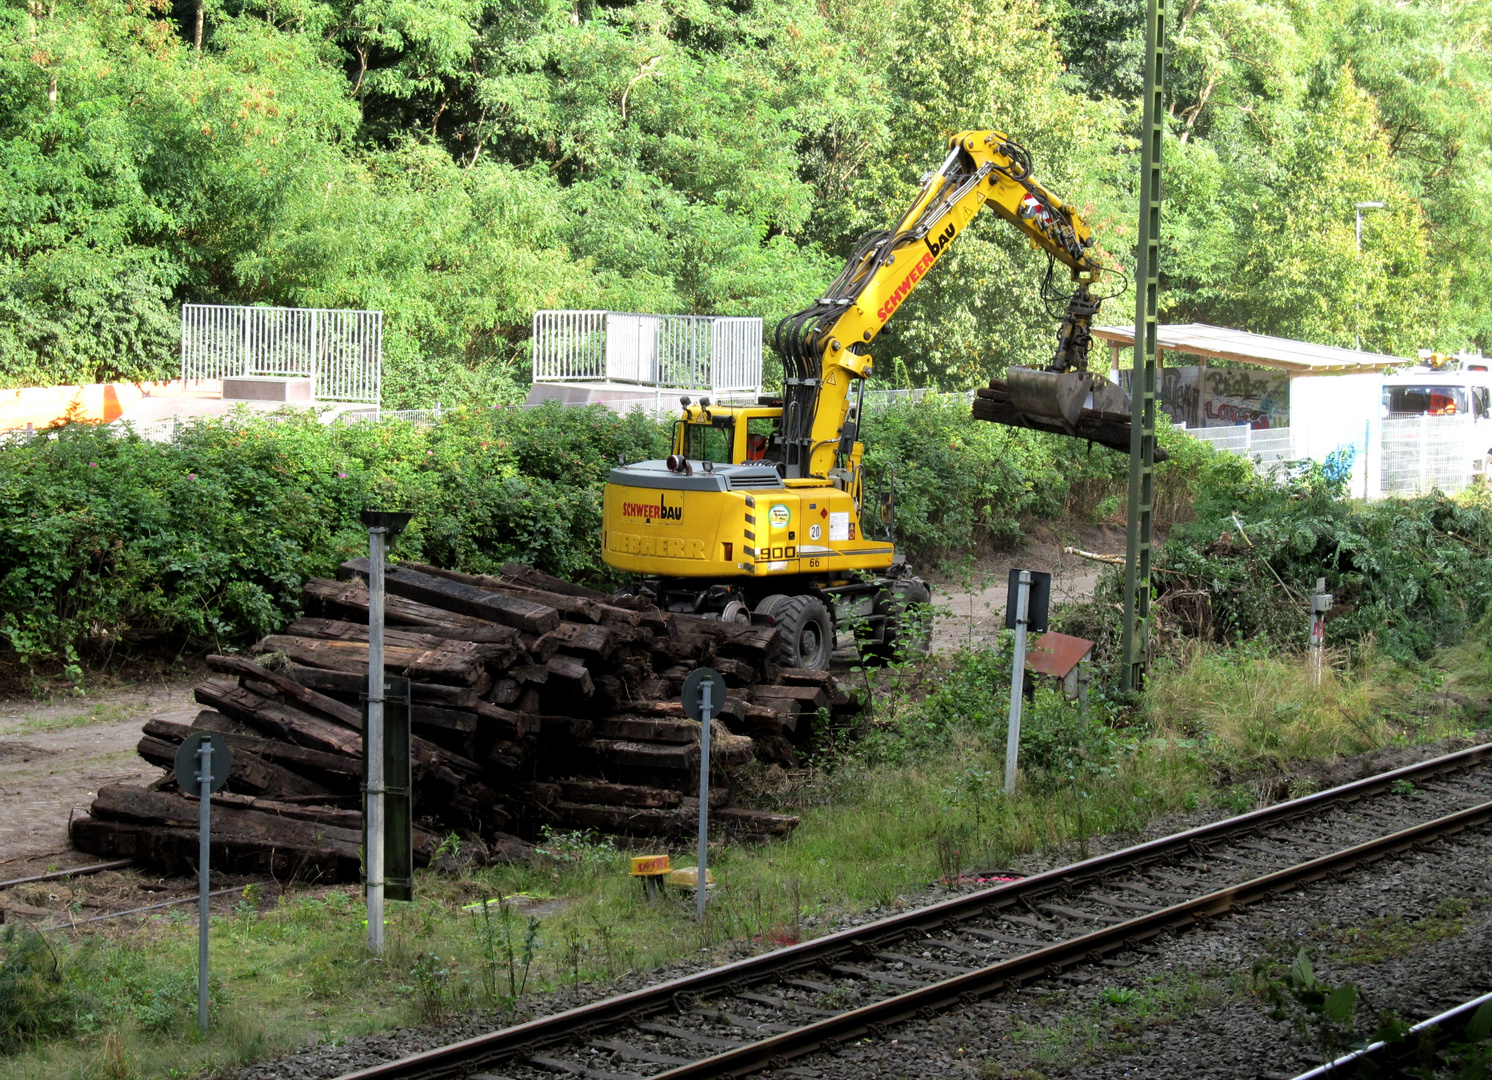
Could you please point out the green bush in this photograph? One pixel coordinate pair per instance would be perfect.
(961, 483)
(107, 540)
(969, 699)
(37, 999)
(1410, 574)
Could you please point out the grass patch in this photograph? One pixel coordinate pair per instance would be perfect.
(914, 802)
(1251, 703)
(297, 972)
(1393, 936)
(1109, 1024)
(102, 713)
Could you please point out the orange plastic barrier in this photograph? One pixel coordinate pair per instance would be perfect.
(95, 403)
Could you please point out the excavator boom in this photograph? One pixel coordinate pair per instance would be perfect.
(822, 345)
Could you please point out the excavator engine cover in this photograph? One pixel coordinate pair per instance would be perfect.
(1051, 395)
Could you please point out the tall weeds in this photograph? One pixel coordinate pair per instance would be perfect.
(1249, 704)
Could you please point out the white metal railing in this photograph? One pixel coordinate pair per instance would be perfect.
(1408, 456)
(569, 346)
(1265, 447)
(340, 351)
(719, 353)
(1420, 453)
(881, 398)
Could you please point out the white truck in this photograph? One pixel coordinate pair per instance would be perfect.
(1447, 386)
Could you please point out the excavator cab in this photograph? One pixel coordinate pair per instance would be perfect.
(726, 435)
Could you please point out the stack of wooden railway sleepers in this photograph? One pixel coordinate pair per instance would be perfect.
(535, 704)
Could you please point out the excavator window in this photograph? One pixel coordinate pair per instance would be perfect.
(759, 431)
(708, 442)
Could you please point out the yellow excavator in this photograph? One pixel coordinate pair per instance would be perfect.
(757, 513)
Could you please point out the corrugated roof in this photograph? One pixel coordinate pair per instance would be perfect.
(1220, 343)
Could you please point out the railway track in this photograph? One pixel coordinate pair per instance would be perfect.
(763, 1012)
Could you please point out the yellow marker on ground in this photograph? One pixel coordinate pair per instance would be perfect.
(650, 865)
(652, 869)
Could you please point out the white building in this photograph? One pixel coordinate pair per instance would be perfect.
(1296, 400)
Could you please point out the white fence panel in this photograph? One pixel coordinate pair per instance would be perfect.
(632, 348)
(1422, 453)
(1408, 456)
(1265, 447)
(569, 346)
(682, 352)
(736, 354)
(340, 351)
(1269, 447)
(1234, 438)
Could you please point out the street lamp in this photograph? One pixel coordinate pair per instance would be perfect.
(1360, 208)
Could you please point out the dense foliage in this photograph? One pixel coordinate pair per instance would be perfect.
(207, 539)
(960, 484)
(1411, 575)
(460, 163)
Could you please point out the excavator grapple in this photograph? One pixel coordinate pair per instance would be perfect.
(1076, 403)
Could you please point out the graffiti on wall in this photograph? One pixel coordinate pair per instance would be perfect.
(1222, 397)
(1260, 399)
(1180, 397)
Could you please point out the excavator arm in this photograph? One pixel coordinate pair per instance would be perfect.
(822, 345)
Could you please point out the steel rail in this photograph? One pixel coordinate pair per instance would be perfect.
(76, 871)
(1431, 1033)
(829, 1034)
(148, 907)
(460, 1058)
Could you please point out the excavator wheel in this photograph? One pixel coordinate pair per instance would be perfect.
(736, 612)
(769, 605)
(908, 632)
(807, 639)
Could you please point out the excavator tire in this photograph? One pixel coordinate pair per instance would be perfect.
(769, 605)
(807, 639)
(908, 634)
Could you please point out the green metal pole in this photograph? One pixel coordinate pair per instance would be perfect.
(1142, 387)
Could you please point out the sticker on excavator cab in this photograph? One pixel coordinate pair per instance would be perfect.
(658, 547)
(663, 511)
(779, 516)
(839, 526)
(815, 532)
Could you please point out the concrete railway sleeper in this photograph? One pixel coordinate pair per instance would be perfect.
(763, 1012)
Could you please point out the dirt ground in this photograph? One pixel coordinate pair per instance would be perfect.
(970, 606)
(54, 756)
